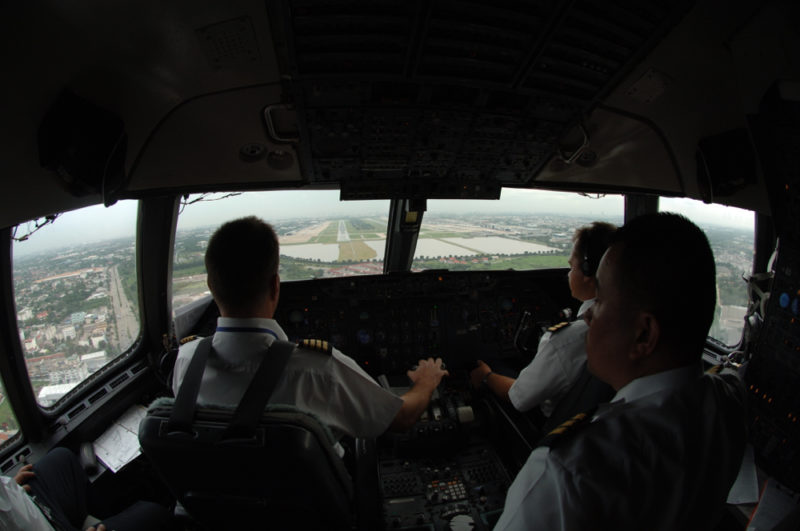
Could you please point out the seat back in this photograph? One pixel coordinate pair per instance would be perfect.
(287, 475)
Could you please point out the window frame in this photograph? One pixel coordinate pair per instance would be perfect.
(35, 421)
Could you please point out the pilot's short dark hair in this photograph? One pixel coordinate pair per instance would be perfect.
(667, 267)
(590, 242)
(241, 259)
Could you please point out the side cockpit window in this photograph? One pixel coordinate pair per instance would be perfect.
(731, 233)
(76, 294)
(8, 421)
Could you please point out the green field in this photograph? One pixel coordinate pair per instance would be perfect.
(533, 261)
(181, 286)
(434, 234)
(357, 229)
(519, 263)
(364, 228)
(7, 416)
(355, 251)
(328, 235)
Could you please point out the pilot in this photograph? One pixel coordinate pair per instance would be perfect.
(561, 353)
(55, 494)
(667, 448)
(242, 263)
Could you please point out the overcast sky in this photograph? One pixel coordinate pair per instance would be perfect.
(98, 223)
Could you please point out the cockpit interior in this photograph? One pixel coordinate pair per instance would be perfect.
(424, 165)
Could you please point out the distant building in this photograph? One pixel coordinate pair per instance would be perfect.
(67, 332)
(68, 375)
(97, 341)
(77, 318)
(94, 360)
(50, 332)
(25, 314)
(30, 345)
(49, 394)
(96, 329)
(56, 356)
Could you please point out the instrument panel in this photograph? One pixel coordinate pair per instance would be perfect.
(772, 375)
(388, 322)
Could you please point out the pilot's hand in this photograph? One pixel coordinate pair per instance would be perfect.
(429, 372)
(478, 374)
(25, 473)
(101, 527)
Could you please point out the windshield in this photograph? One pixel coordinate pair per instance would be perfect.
(319, 235)
(524, 229)
(322, 237)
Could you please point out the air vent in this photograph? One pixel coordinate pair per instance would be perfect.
(116, 382)
(72, 414)
(7, 465)
(98, 395)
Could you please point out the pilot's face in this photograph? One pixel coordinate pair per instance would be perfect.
(609, 340)
(580, 286)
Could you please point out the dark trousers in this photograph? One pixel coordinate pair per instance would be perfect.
(61, 485)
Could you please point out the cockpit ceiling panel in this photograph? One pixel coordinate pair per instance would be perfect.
(215, 141)
(452, 90)
(621, 151)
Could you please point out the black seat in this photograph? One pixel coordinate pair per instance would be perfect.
(252, 467)
(287, 476)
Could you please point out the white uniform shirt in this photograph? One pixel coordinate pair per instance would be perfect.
(661, 455)
(554, 369)
(333, 387)
(17, 510)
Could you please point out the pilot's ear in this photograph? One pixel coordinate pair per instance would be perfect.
(648, 332)
(275, 286)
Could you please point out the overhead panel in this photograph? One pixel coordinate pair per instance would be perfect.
(451, 98)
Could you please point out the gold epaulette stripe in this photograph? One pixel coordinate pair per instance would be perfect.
(316, 344)
(558, 326)
(566, 425)
(187, 339)
(568, 429)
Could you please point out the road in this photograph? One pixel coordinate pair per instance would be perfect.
(343, 235)
(127, 324)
